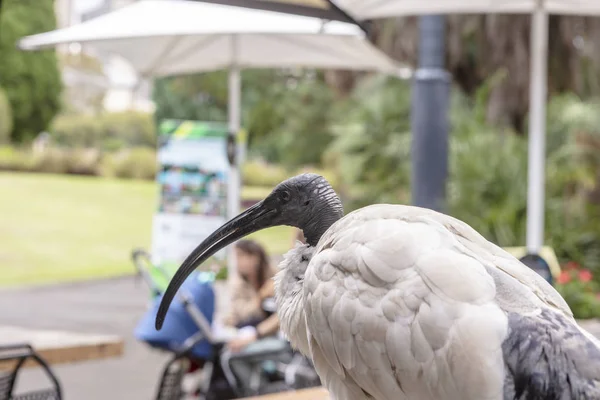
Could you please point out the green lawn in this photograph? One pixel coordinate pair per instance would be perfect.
(64, 228)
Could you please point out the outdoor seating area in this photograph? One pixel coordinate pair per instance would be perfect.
(207, 199)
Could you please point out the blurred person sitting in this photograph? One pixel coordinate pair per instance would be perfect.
(257, 333)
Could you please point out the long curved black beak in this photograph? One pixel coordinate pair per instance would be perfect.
(253, 219)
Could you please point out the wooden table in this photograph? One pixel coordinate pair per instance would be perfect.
(61, 347)
(305, 394)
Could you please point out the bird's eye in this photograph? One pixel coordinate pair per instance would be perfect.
(307, 202)
(304, 258)
(285, 195)
(298, 278)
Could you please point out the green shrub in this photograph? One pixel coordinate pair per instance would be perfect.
(6, 119)
(31, 79)
(76, 130)
(109, 132)
(259, 173)
(487, 185)
(53, 161)
(12, 159)
(134, 128)
(137, 163)
(370, 153)
(577, 286)
(84, 162)
(488, 175)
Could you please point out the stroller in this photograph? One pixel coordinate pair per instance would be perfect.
(196, 348)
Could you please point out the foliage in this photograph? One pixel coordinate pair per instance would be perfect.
(12, 159)
(478, 45)
(136, 163)
(487, 185)
(488, 171)
(573, 184)
(200, 97)
(285, 112)
(304, 109)
(108, 131)
(259, 173)
(31, 80)
(204, 97)
(6, 119)
(371, 149)
(82, 61)
(577, 286)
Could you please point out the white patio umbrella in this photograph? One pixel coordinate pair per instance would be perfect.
(539, 10)
(171, 37)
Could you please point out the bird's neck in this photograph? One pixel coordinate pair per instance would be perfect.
(327, 209)
(319, 223)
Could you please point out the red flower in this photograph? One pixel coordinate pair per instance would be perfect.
(585, 275)
(571, 265)
(564, 277)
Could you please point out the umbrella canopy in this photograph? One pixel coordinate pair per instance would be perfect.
(169, 37)
(371, 9)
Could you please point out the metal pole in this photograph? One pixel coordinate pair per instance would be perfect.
(233, 180)
(537, 131)
(429, 117)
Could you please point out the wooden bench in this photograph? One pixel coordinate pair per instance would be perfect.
(304, 394)
(61, 347)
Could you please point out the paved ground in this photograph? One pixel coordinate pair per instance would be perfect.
(109, 306)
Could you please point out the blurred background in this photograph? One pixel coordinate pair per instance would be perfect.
(78, 161)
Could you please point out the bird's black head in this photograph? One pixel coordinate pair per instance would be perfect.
(305, 201)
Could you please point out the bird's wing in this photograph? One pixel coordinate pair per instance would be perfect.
(405, 301)
(547, 356)
(394, 308)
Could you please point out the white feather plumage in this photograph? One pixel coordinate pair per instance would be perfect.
(400, 302)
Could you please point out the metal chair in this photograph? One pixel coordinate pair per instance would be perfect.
(17, 355)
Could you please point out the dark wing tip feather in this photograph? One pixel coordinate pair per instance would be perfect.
(547, 357)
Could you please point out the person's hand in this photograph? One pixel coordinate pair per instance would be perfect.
(239, 343)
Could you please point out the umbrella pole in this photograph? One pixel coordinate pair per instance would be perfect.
(537, 131)
(233, 181)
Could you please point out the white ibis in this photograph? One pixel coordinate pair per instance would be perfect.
(395, 302)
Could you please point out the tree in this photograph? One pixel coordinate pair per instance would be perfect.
(31, 80)
(478, 46)
(285, 112)
(370, 153)
(5, 118)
